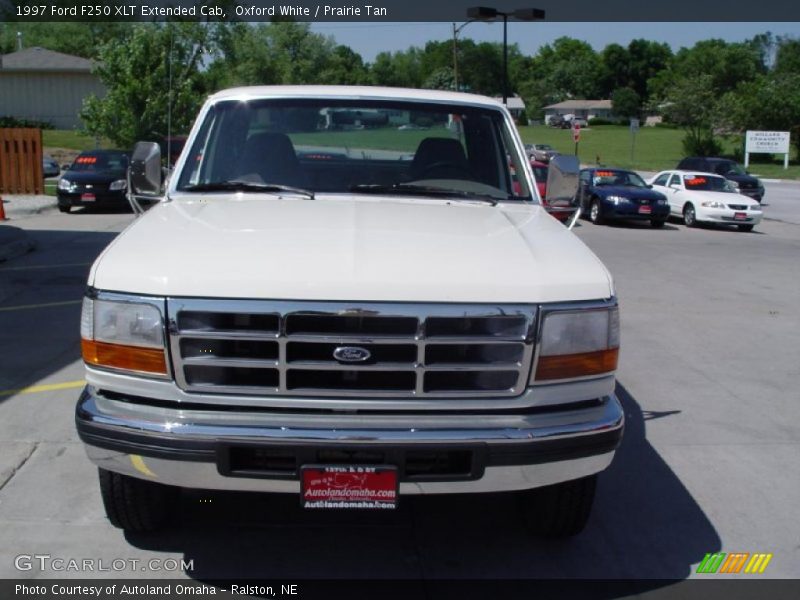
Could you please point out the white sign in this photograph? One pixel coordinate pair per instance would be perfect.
(634, 125)
(769, 142)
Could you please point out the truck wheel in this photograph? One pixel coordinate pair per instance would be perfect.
(595, 216)
(134, 504)
(560, 510)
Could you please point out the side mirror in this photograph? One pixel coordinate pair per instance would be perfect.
(145, 176)
(562, 178)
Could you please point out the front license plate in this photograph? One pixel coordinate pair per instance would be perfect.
(348, 486)
(645, 210)
(88, 197)
(740, 216)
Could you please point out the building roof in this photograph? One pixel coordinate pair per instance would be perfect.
(514, 102)
(41, 59)
(581, 105)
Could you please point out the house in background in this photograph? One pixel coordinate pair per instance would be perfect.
(584, 109)
(43, 85)
(515, 105)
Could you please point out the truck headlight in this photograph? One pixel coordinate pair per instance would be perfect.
(119, 184)
(123, 335)
(578, 343)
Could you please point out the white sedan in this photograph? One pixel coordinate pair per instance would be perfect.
(706, 198)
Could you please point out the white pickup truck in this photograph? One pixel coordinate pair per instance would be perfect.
(351, 295)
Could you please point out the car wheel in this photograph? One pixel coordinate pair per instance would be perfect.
(65, 208)
(745, 227)
(689, 216)
(135, 504)
(560, 510)
(657, 223)
(595, 215)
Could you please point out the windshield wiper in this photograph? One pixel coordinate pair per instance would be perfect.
(237, 185)
(421, 190)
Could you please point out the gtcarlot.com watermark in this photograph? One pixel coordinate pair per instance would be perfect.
(47, 562)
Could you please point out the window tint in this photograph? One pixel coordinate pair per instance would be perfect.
(661, 179)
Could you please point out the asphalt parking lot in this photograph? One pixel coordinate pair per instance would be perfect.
(708, 378)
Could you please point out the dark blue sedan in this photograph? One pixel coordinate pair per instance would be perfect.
(606, 194)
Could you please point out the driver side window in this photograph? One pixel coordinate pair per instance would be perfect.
(661, 179)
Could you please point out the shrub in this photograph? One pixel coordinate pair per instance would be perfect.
(600, 121)
(15, 122)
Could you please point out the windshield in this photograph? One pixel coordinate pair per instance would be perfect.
(706, 183)
(623, 178)
(106, 161)
(724, 168)
(544, 147)
(346, 146)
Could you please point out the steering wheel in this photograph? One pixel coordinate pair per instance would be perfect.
(444, 164)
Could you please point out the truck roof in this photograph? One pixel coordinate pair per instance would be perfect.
(352, 92)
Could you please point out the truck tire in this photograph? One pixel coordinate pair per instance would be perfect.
(560, 510)
(134, 504)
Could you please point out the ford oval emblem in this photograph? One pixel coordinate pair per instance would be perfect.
(351, 354)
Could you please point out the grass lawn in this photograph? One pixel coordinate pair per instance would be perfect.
(71, 139)
(656, 148)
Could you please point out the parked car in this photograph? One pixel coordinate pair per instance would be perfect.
(556, 121)
(95, 178)
(50, 168)
(542, 152)
(707, 198)
(580, 121)
(349, 330)
(748, 184)
(605, 194)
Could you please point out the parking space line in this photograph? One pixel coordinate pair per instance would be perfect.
(31, 267)
(47, 387)
(44, 305)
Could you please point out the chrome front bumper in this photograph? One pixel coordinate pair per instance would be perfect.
(188, 448)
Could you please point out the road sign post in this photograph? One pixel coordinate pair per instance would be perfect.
(576, 136)
(634, 130)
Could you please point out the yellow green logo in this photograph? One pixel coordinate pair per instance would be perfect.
(734, 562)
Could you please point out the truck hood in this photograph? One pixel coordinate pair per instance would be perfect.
(350, 248)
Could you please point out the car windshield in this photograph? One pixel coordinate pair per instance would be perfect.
(623, 178)
(706, 183)
(100, 161)
(725, 168)
(378, 147)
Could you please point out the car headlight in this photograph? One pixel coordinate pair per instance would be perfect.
(123, 335)
(616, 199)
(578, 343)
(119, 184)
(661, 201)
(713, 204)
(65, 185)
(755, 207)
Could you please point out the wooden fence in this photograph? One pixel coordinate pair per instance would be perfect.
(21, 161)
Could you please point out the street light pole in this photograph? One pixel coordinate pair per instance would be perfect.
(485, 13)
(456, 31)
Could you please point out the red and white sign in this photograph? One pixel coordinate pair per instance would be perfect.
(576, 132)
(348, 486)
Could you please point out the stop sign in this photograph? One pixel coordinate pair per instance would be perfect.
(576, 132)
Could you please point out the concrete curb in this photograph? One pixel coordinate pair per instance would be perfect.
(14, 242)
(25, 206)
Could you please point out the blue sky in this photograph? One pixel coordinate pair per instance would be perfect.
(368, 39)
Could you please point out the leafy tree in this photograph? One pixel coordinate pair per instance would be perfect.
(787, 59)
(441, 79)
(770, 103)
(691, 103)
(625, 102)
(76, 38)
(137, 76)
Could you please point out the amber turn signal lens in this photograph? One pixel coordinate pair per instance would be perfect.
(130, 358)
(567, 366)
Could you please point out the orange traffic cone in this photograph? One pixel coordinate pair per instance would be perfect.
(2, 211)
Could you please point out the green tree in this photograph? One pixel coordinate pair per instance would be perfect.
(787, 58)
(691, 103)
(76, 38)
(137, 76)
(625, 102)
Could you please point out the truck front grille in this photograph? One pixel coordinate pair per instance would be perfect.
(333, 349)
